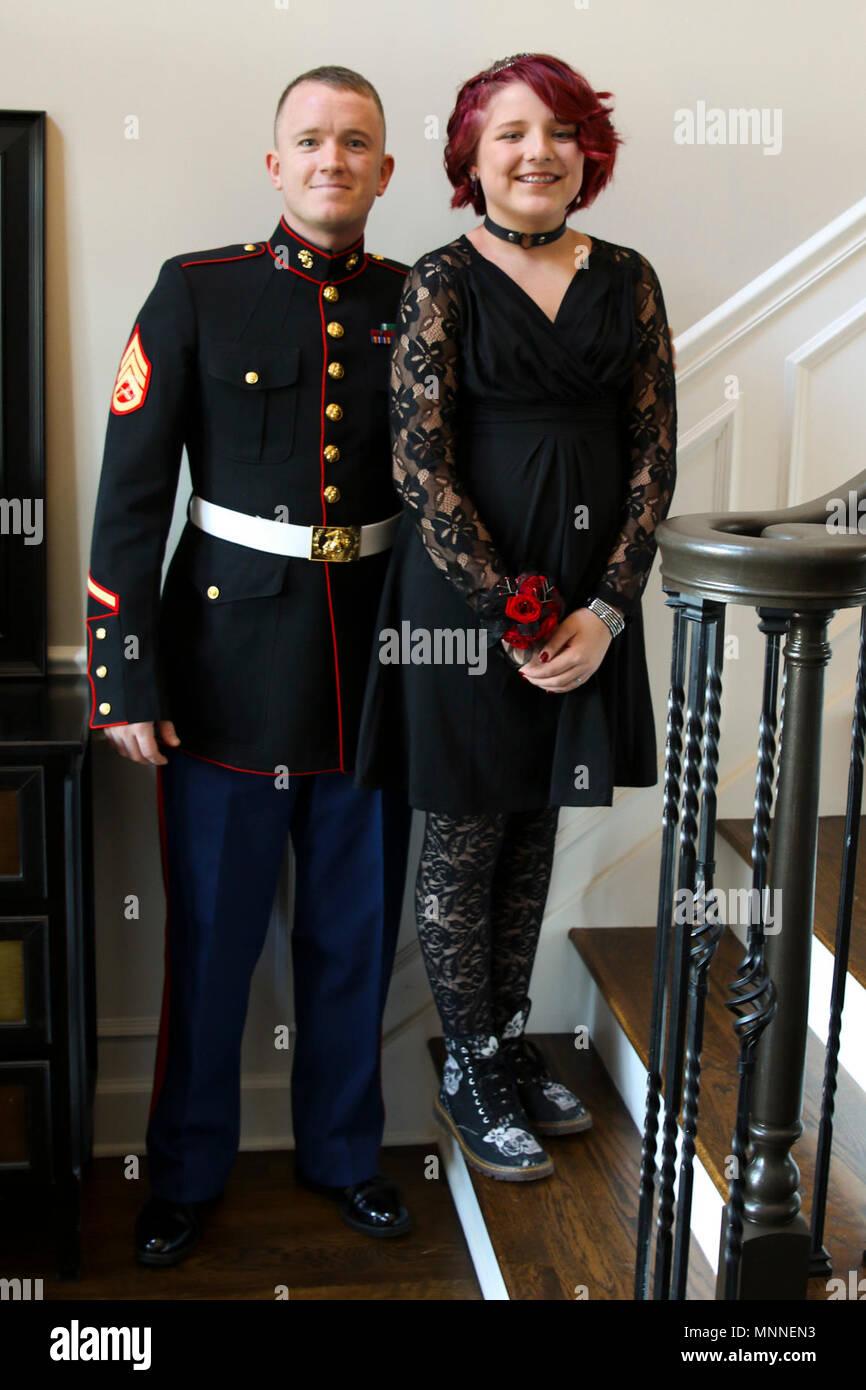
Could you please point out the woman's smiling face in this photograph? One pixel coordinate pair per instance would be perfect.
(528, 163)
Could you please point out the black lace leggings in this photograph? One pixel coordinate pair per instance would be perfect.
(479, 899)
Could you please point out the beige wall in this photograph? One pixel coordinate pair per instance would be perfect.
(203, 80)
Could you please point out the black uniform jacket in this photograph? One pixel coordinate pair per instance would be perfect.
(270, 362)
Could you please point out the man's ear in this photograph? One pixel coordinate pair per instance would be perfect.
(272, 163)
(385, 173)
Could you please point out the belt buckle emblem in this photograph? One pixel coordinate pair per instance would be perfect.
(335, 543)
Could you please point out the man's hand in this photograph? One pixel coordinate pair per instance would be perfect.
(575, 650)
(137, 741)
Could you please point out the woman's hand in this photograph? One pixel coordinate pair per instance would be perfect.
(519, 656)
(574, 651)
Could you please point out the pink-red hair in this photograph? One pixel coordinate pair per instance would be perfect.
(570, 98)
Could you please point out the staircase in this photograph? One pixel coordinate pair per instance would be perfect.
(769, 413)
(572, 1236)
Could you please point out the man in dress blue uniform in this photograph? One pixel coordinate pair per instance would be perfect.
(269, 361)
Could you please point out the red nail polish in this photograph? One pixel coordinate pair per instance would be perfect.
(544, 656)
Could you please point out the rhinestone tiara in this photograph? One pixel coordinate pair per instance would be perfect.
(498, 67)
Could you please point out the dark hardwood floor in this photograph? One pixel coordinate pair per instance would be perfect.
(266, 1232)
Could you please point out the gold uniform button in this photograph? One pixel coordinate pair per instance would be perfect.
(105, 708)
(251, 378)
(332, 453)
(334, 412)
(100, 633)
(102, 670)
(336, 369)
(331, 293)
(213, 591)
(335, 330)
(332, 494)
(249, 246)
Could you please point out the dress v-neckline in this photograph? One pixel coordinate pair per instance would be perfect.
(553, 322)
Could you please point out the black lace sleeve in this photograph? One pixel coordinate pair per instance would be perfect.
(650, 415)
(423, 424)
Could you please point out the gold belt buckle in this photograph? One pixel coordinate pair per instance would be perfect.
(335, 543)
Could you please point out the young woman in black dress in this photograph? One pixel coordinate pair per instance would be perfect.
(534, 438)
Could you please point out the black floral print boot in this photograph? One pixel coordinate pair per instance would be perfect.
(549, 1106)
(478, 1104)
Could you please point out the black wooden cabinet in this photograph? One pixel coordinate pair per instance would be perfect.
(47, 976)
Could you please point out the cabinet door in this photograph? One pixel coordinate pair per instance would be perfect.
(22, 833)
(25, 1119)
(25, 1015)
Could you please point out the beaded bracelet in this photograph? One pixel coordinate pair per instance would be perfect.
(609, 616)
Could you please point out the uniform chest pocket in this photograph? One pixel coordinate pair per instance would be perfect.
(252, 400)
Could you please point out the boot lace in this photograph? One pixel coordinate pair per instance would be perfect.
(493, 1088)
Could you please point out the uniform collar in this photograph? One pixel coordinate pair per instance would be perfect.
(312, 261)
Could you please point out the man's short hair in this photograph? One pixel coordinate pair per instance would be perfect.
(344, 79)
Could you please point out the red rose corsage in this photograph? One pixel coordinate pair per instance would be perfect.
(524, 610)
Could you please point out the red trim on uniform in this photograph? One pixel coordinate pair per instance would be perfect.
(90, 724)
(336, 667)
(96, 590)
(162, 1039)
(322, 413)
(318, 249)
(292, 268)
(254, 771)
(324, 522)
(218, 260)
(312, 280)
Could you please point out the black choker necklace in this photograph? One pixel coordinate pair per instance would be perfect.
(524, 239)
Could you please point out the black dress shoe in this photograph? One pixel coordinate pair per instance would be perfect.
(166, 1232)
(373, 1206)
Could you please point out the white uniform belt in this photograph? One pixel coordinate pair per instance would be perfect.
(285, 538)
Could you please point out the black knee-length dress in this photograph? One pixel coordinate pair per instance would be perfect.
(519, 444)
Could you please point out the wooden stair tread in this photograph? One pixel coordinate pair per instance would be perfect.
(620, 960)
(828, 876)
(579, 1226)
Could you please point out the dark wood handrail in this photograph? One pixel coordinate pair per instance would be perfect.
(746, 557)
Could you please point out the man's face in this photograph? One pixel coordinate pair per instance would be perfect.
(329, 161)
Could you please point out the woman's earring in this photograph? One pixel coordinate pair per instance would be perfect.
(473, 179)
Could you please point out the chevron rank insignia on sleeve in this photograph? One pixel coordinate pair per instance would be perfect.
(133, 378)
